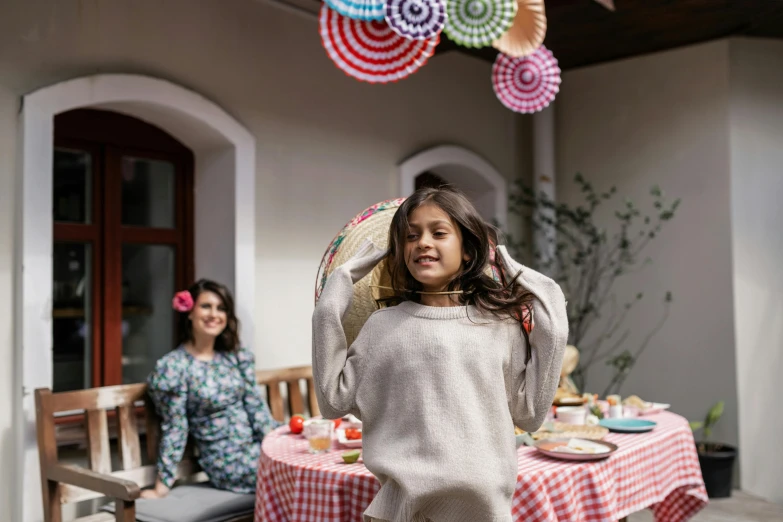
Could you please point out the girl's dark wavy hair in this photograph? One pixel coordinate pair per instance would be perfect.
(228, 340)
(505, 298)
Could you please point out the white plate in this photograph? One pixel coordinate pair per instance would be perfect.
(654, 407)
(347, 443)
(547, 446)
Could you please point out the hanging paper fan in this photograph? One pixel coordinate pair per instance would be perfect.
(358, 9)
(478, 23)
(416, 19)
(527, 32)
(371, 51)
(526, 84)
(609, 4)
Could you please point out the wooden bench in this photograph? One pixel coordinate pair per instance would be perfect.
(65, 484)
(291, 378)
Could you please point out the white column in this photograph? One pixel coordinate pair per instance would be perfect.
(544, 174)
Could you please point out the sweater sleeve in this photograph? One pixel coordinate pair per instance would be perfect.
(336, 368)
(533, 384)
(169, 393)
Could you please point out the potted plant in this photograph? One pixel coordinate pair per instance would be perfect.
(716, 459)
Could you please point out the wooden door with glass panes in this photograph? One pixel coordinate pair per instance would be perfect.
(123, 245)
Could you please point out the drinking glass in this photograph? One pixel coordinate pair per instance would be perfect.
(319, 435)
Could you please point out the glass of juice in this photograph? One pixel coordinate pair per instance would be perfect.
(319, 435)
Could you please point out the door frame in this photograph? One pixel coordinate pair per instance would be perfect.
(224, 224)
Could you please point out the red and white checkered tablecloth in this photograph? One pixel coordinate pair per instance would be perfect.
(657, 470)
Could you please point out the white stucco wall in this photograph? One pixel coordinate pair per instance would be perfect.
(757, 218)
(664, 119)
(704, 123)
(7, 244)
(327, 145)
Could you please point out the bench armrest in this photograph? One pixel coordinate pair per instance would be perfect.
(118, 488)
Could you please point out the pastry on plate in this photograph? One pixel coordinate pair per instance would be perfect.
(636, 402)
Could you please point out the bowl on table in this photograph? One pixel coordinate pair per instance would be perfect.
(575, 415)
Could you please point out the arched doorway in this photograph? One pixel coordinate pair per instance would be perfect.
(460, 167)
(223, 222)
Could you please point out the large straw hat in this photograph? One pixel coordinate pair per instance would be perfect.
(373, 289)
(371, 223)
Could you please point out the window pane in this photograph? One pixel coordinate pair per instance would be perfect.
(72, 186)
(72, 316)
(147, 193)
(147, 317)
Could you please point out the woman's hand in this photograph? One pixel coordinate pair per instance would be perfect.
(159, 491)
(149, 493)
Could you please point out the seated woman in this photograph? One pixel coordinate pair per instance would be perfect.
(206, 388)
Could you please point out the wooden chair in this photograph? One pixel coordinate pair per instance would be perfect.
(272, 379)
(64, 484)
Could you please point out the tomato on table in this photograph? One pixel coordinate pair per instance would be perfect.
(296, 424)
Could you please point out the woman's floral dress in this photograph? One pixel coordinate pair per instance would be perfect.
(218, 403)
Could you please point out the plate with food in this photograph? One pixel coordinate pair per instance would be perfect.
(561, 430)
(566, 398)
(350, 437)
(569, 401)
(576, 449)
(645, 407)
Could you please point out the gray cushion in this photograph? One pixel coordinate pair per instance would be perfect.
(193, 503)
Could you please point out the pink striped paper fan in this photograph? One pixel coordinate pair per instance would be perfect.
(371, 51)
(527, 84)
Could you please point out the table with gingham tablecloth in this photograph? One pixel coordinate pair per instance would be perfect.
(657, 470)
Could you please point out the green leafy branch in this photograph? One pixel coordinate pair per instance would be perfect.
(586, 259)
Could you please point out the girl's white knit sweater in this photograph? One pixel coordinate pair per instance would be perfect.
(439, 390)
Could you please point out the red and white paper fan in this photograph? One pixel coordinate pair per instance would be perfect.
(369, 50)
(526, 84)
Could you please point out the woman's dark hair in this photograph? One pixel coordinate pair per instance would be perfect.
(228, 340)
(504, 298)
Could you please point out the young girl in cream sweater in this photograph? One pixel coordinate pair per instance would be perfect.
(441, 379)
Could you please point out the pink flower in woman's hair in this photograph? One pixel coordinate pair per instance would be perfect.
(182, 302)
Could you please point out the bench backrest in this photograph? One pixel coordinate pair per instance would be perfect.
(290, 378)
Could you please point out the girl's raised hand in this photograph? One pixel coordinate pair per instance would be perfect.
(507, 263)
(364, 260)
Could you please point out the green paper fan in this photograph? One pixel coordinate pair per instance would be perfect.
(478, 23)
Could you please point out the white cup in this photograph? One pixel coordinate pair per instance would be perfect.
(572, 415)
(630, 411)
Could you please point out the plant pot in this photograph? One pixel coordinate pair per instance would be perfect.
(717, 467)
